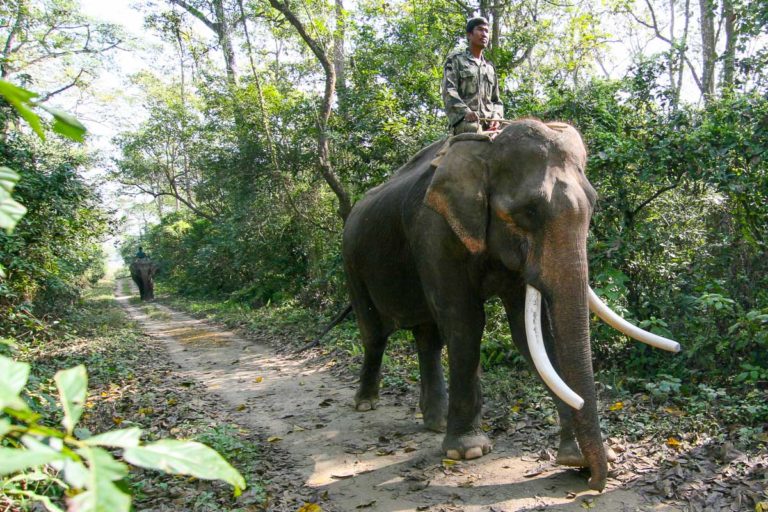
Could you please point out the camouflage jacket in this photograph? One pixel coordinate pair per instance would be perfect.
(470, 84)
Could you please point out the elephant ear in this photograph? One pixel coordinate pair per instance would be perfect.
(458, 193)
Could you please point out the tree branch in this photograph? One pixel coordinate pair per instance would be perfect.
(62, 89)
(655, 195)
(667, 40)
(196, 13)
(155, 194)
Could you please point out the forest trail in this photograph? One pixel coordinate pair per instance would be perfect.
(382, 460)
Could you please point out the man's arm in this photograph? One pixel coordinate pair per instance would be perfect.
(455, 108)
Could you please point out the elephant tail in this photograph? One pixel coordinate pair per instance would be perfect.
(336, 321)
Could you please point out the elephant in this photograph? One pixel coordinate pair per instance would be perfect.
(143, 272)
(466, 220)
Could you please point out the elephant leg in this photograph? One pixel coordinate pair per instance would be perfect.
(374, 339)
(433, 400)
(568, 452)
(462, 328)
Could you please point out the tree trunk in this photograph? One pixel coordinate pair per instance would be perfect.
(708, 49)
(338, 47)
(729, 56)
(225, 40)
(495, 28)
(8, 46)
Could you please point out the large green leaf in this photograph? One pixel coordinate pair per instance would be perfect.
(66, 124)
(11, 212)
(185, 458)
(75, 473)
(102, 495)
(73, 388)
(17, 459)
(13, 378)
(8, 179)
(125, 438)
(21, 98)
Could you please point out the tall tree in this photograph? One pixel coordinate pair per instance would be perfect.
(325, 164)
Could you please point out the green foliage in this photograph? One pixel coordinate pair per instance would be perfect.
(50, 255)
(55, 250)
(22, 101)
(89, 473)
(10, 210)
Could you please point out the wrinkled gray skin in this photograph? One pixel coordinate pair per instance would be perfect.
(426, 249)
(143, 272)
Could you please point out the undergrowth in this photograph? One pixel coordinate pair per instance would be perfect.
(129, 386)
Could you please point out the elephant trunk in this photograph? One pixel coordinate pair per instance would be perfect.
(564, 280)
(570, 323)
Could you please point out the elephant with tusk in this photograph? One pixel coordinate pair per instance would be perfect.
(466, 221)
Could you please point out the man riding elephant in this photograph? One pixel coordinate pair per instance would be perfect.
(143, 272)
(471, 85)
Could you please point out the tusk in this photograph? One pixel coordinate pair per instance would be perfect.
(611, 318)
(539, 353)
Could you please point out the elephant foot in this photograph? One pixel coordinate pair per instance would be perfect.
(597, 484)
(569, 454)
(366, 404)
(470, 446)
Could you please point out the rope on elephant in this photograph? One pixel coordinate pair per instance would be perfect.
(558, 126)
(500, 121)
(480, 136)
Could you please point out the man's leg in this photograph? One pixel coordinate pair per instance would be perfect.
(466, 127)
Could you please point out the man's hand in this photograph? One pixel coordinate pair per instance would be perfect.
(493, 126)
(471, 117)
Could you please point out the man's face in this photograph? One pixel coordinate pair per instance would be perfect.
(479, 36)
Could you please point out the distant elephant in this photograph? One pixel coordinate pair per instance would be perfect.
(504, 217)
(143, 272)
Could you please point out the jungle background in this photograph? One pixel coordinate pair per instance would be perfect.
(256, 125)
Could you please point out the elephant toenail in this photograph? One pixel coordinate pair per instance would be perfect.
(364, 406)
(474, 453)
(453, 454)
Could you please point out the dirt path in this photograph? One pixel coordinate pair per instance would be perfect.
(381, 460)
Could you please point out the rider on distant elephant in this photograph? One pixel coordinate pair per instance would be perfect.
(471, 86)
(141, 254)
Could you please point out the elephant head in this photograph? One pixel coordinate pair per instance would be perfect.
(143, 271)
(522, 203)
